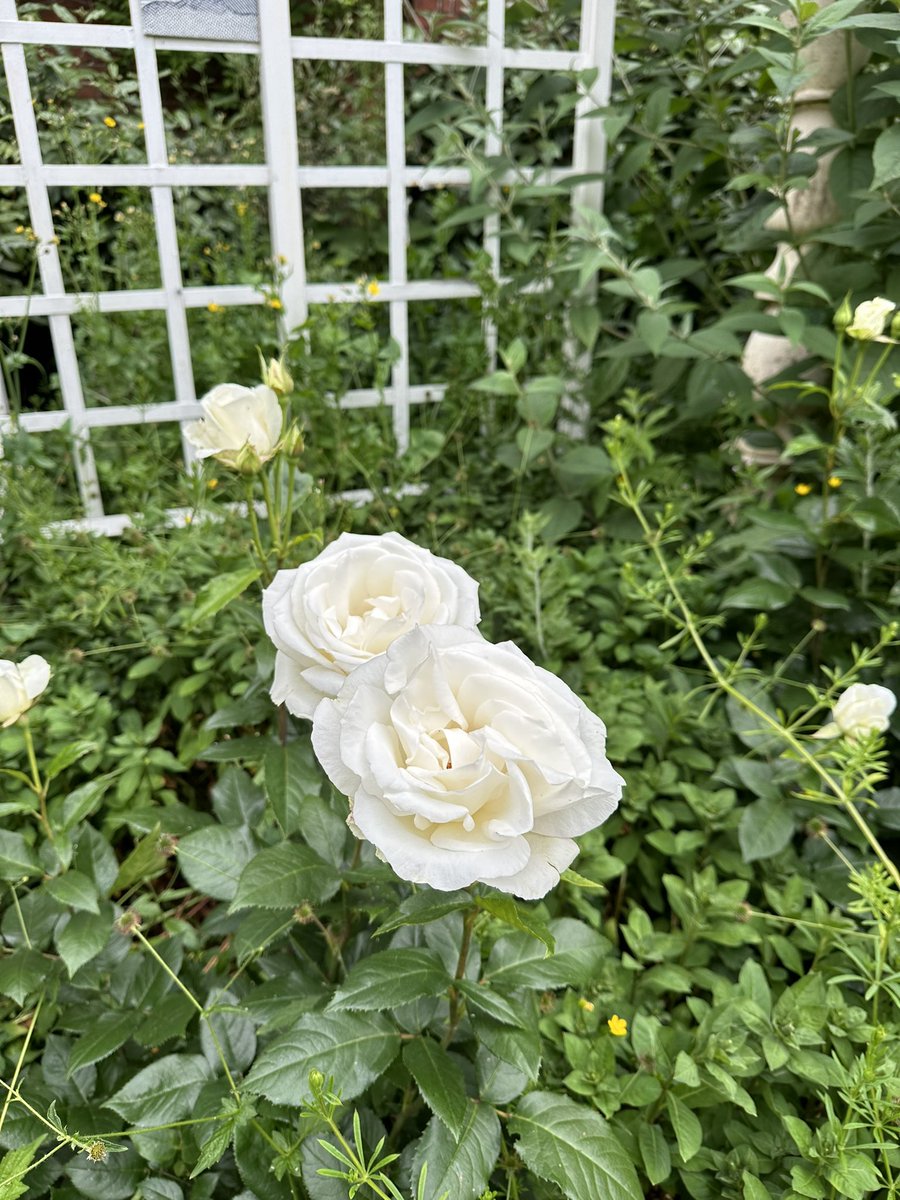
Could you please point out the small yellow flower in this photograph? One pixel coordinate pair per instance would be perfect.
(282, 260)
(316, 245)
(140, 125)
(834, 481)
(618, 1026)
(95, 198)
(212, 484)
(214, 308)
(110, 122)
(274, 302)
(20, 229)
(207, 250)
(585, 1005)
(803, 489)
(373, 288)
(241, 208)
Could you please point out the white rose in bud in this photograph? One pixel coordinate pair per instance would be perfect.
(465, 762)
(238, 423)
(20, 685)
(277, 376)
(349, 604)
(863, 708)
(870, 318)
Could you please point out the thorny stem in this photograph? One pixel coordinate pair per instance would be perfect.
(455, 999)
(654, 542)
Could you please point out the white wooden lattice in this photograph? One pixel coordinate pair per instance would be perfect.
(284, 177)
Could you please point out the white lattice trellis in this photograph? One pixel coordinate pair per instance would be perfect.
(285, 179)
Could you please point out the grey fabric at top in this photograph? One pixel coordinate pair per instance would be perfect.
(224, 20)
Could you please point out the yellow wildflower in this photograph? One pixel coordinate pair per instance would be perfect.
(140, 124)
(585, 1005)
(110, 122)
(214, 308)
(834, 481)
(212, 484)
(803, 489)
(373, 288)
(618, 1026)
(241, 208)
(274, 302)
(95, 198)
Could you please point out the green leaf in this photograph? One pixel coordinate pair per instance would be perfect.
(585, 322)
(83, 937)
(22, 973)
(423, 907)
(463, 1166)
(253, 1157)
(68, 755)
(236, 799)
(219, 592)
(507, 910)
(654, 1153)
(107, 1033)
(290, 775)
(760, 595)
(75, 890)
(440, 1081)
(353, 1047)
(570, 1145)
(517, 960)
(165, 1091)
(653, 330)
(84, 800)
(766, 827)
(116, 1179)
(283, 877)
(886, 157)
(754, 1189)
(212, 1149)
(17, 859)
(521, 1048)
(213, 858)
(147, 860)
(14, 1169)
(500, 383)
(390, 978)
(484, 1000)
(688, 1130)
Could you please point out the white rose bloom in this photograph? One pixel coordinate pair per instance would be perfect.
(20, 685)
(349, 604)
(870, 318)
(465, 762)
(863, 708)
(236, 417)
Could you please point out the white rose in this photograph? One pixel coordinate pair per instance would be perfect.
(349, 604)
(235, 418)
(870, 318)
(20, 685)
(863, 708)
(465, 762)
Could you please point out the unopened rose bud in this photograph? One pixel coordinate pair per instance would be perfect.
(292, 442)
(247, 461)
(895, 326)
(276, 376)
(843, 316)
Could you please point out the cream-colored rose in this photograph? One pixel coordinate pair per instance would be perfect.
(20, 685)
(239, 424)
(870, 318)
(465, 762)
(349, 604)
(863, 708)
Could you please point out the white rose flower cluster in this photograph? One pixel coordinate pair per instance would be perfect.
(463, 761)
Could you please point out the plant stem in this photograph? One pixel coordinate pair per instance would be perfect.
(37, 785)
(653, 540)
(21, 1059)
(455, 1014)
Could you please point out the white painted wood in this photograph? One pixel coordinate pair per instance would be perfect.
(496, 32)
(49, 268)
(279, 110)
(163, 203)
(114, 416)
(398, 223)
(283, 176)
